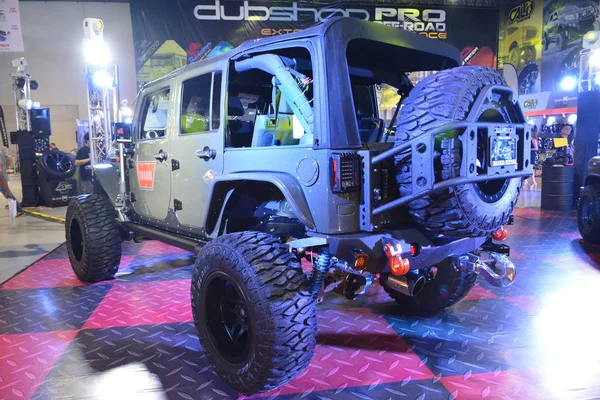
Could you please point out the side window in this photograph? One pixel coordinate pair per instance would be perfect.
(259, 114)
(201, 103)
(156, 107)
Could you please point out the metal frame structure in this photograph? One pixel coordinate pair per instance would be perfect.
(589, 62)
(99, 115)
(22, 95)
(100, 95)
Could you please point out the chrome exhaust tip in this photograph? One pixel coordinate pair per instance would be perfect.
(410, 284)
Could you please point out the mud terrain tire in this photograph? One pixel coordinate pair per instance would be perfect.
(93, 238)
(588, 214)
(472, 210)
(253, 283)
(449, 287)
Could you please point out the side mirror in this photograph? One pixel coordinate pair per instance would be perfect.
(123, 132)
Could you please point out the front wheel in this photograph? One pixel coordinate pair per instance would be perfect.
(450, 285)
(588, 214)
(93, 238)
(253, 311)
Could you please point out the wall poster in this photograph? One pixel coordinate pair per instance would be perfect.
(11, 39)
(520, 43)
(169, 34)
(564, 24)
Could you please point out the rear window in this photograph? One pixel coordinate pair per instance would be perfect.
(376, 79)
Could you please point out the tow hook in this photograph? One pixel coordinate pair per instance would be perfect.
(498, 271)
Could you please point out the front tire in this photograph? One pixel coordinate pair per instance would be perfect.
(93, 238)
(449, 286)
(255, 317)
(588, 214)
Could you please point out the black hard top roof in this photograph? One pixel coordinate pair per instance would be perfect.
(344, 29)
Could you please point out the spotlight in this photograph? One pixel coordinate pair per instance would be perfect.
(102, 78)
(551, 120)
(33, 85)
(20, 83)
(126, 112)
(568, 83)
(95, 52)
(97, 118)
(595, 58)
(572, 118)
(597, 79)
(25, 104)
(531, 122)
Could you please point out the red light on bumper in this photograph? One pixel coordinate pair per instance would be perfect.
(500, 234)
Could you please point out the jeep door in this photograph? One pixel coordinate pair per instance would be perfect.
(151, 181)
(197, 143)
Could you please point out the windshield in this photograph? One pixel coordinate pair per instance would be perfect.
(378, 83)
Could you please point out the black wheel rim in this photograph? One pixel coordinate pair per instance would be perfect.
(227, 317)
(587, 214)
(58, 162)
(76, 240)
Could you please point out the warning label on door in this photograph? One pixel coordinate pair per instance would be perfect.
(145, 174)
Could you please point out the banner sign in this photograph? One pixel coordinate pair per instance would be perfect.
(521, 43)
(564, 25)
(169, 34)
(11, 39)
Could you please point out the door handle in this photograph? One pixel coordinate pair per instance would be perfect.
(206, 153)
(161, 156)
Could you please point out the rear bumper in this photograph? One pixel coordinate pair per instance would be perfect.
(431, 251)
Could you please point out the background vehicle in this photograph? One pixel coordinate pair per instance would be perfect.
(588, 211)
(274, 154)
(569, 23)
(521, 45)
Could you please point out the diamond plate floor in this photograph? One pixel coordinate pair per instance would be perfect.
(133, 337)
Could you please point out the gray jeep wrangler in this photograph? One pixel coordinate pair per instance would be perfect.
(588, 210)
(275, 156)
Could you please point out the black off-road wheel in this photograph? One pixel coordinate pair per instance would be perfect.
(449, 286)
(255, 317)
(468, 210)
(93, 238)
(588, 214)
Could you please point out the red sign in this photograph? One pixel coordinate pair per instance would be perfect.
(145, 174)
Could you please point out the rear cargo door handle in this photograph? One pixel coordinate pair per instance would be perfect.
(161, 156)
(206, 153)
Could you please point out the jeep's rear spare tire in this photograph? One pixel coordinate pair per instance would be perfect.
(474, 209)
(93, 238)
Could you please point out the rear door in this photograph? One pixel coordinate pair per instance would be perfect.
(197, 143)
(151, 181)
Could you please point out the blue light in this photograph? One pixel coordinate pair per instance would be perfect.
(568, 83)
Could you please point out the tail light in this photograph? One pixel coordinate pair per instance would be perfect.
(345, 172)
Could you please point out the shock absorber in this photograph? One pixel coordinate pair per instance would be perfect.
(320, 267)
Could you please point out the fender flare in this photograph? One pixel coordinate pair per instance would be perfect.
(285, 183)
